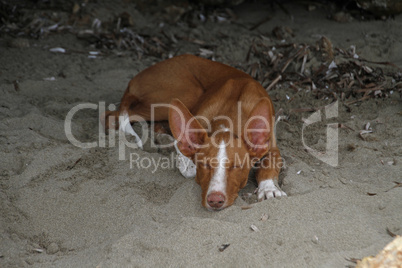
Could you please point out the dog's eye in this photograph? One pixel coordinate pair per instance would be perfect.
(206, 165)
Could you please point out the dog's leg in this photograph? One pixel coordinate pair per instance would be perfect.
(262, 145)
(185, 165)
(267, 174)
(125, 126)
(127, 116)
(122, 118)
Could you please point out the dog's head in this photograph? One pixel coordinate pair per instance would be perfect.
(223, 158)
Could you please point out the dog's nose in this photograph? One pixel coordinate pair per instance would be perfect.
(216, 199)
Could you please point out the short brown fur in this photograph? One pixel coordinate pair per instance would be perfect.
(203, 88)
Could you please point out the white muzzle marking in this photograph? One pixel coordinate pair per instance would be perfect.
(218, 181)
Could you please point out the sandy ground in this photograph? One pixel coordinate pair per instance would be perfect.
(65, 206)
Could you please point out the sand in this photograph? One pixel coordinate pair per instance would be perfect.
(66, 206)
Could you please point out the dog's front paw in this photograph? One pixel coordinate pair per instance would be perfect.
(186, 167)
(269, 189)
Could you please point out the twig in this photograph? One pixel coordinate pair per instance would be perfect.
(390, 233)
(397, 184)
(354, 101)
(379, 87)
(76, 162)
(382, 63)
(273, 83)
(292, 58)
(304, 63)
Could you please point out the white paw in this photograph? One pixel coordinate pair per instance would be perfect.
(125, 126)
(185, 165)
(269, 189)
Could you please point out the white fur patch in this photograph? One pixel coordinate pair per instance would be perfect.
(225, 129)
(185, 165)
(218, 181)
(267, 189)
(125, 126)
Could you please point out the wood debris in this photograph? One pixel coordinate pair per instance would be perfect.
(223, 247)
(73, 165)
(320, 69)
(390, 233)
(397, 184)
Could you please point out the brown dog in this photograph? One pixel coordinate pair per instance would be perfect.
(222, 119)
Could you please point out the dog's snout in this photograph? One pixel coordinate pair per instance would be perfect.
(216, 200)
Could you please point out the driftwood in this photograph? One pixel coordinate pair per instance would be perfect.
(390, 256)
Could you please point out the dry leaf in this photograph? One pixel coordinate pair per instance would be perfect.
(223, 247)
(390, 233)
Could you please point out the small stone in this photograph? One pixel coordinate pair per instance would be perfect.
(30, 260)
(381, 206)
(254, 228)
(52, 248)
(264, 217)
(342, 17)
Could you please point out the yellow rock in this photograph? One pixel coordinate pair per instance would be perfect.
(389, 257)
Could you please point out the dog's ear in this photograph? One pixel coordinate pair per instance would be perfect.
(188, 132)
(257, 131)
